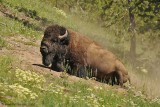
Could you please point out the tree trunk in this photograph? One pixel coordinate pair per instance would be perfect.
(56, 4)
(133, 35)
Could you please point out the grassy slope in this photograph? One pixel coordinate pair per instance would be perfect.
(35, 89)
(27, 88)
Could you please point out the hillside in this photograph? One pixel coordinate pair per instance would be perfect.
(24, 81)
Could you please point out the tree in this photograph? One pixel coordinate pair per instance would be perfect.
(133, 35)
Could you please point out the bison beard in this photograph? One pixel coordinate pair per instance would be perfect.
(79, 52)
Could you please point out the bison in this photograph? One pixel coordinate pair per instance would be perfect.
(61, 46)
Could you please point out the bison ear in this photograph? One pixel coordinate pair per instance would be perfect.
(64, 36)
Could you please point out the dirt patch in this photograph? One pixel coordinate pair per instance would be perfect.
(28, 56)
(1, 14)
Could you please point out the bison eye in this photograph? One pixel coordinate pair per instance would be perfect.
(43, 50)
(47, 35)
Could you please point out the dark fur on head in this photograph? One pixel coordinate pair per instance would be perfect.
(59, 59)
(51, 48)
(52, 33)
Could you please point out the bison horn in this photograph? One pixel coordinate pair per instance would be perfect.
(63, 36)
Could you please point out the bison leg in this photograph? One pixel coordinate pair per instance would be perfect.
(113, 78)
(80, 71)
(119, 78)
(57, 66)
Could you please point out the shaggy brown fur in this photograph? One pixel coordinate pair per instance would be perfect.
(82, 51)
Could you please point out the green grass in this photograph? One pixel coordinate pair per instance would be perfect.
(11, 27)
(34, 89)
(5, 64)
(2, 43)
(51, 13)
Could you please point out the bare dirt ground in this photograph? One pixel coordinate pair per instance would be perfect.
(27, 55)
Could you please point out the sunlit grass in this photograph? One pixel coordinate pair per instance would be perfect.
(56, 93)
(5, 65)
(2, 43)
(52, 14)
(10, 27)
(29, 88)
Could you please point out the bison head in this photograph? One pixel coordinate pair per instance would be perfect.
(54, 37)
(48, 51)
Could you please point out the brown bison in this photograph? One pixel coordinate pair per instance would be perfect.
(60, 44)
